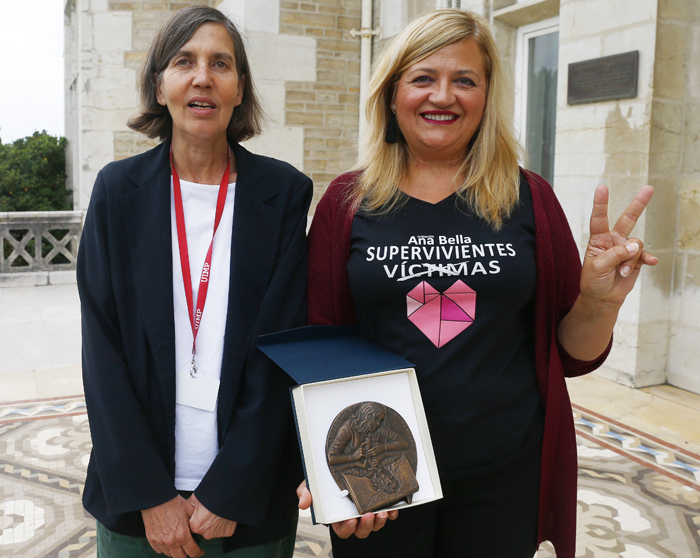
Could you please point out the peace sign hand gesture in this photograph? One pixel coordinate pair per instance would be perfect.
(611, 265)
(613, 261)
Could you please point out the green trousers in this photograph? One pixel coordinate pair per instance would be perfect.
(113, 545)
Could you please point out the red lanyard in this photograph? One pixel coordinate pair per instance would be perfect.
(196, 316)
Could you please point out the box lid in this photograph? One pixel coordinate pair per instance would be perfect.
(317, 353)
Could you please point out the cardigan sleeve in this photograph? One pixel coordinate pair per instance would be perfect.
(329, 298)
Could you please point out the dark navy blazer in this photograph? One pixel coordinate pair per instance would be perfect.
(126, 291)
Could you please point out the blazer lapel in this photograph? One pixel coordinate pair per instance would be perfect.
(150, 246)
(256, 227)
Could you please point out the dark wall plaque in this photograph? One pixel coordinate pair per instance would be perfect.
(603, 79)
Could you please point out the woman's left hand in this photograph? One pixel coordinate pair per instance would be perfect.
(613, 260)
(361, 527)
(611, 266)
(207, 524)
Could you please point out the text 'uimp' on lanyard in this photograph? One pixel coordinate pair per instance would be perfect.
(196, 314)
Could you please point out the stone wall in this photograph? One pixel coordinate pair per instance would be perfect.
(328, 107)
(676, 164)
(609, 143)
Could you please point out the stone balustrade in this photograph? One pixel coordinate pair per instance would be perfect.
(39, 247)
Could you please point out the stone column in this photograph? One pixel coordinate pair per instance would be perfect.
(676, 164)
(615, 143)
(104, 91)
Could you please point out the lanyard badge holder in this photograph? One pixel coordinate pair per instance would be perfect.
(190, 394)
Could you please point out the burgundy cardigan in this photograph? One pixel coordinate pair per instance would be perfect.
(557, 287)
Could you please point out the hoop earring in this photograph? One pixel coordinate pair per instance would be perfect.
(392, 128)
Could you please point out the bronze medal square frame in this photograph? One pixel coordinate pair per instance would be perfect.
(371, 453)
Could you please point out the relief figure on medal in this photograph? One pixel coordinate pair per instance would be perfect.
(371, 453)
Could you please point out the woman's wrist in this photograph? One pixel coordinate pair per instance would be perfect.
(594, 309)
(585, 331)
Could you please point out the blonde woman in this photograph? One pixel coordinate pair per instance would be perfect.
(443, 251)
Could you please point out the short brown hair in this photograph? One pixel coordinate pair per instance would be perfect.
(154, 120)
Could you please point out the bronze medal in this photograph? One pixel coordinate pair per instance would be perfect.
(371, 453)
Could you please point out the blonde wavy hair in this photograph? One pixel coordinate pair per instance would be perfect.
(490, 167)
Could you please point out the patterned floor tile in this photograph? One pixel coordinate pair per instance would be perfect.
(639, 497)
(40, 409)
(312, 540)
(639, 446)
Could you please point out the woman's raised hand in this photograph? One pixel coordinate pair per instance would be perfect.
(361, 527)
(611, 266)
(612, 261)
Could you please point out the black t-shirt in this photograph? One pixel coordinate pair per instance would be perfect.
(438, 286)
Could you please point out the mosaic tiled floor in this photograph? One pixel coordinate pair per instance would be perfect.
(638, 496)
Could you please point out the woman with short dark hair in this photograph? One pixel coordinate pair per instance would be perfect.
(189, 252)
(443, 251)
(155, 119)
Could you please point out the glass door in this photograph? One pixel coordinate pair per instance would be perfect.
(536, 95)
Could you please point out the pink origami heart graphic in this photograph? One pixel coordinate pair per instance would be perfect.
(441, 316)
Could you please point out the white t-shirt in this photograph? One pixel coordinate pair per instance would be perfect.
(196, 440)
